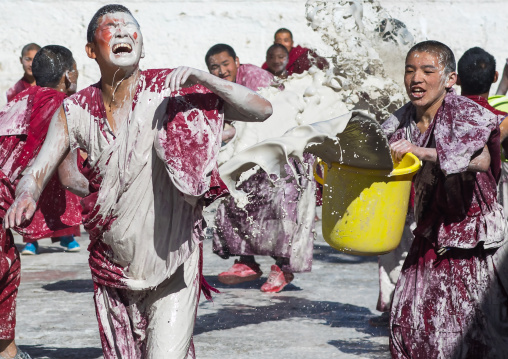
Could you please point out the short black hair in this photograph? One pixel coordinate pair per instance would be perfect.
(50, 63)
(106, 9)
(277, 46)
(283, 29)
(476, 69)
(446, 57)
(29, 47)
(217, 49)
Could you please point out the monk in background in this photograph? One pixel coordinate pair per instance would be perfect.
(300, 58)
(24, 123)
(27, 55)
(277, 57)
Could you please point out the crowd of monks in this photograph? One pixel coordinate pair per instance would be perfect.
(141, 146)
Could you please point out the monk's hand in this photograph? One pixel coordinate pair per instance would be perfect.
(183, 76)
(399, 148)
(21, 210)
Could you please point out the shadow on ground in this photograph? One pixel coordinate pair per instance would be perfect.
(71, 286)
(254, 284)
(362, 347)
(333, 314)
(325, 253)
(38, 351)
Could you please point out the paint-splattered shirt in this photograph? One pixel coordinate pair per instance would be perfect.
(144, 212)
(253, 77)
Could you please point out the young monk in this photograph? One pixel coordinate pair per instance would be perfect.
(277, 57)
(152, 138)
(300, 58)
(449, 301)
(222, 62)
(24, 124)
(66, 237)
(274, 223)
(27, 55)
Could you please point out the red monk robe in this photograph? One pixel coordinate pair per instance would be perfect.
(449, 301)
(24, 124)
(301, 59)
(185, 134)
(18, 87)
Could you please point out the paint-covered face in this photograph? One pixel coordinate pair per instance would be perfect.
(284, 38)
(425, 78)
(276, 60)
(119, 40)
(224, 66)
(26, 61)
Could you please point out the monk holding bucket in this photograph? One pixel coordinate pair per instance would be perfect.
(449, 300)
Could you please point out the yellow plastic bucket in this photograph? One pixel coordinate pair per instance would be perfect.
(364, 210)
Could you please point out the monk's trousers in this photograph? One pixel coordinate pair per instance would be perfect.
(150, 324)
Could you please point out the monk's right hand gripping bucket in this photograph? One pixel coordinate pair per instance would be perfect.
(364, 210)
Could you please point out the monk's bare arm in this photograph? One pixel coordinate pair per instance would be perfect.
(29, 189)
(401, 147)
(242, 104)
(480, 161)
(71, 177)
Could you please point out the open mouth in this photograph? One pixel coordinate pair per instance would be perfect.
(122, 48)
(417, 92)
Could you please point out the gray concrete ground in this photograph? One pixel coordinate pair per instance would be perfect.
(322, 314)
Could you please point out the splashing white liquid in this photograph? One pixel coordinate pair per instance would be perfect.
(363, 37)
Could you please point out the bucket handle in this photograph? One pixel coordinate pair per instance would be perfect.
(317, 162)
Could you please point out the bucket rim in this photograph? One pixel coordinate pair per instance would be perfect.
(380, 172)
(410, 169)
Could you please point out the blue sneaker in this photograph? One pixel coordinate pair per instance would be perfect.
(31, 249)
(70, 244)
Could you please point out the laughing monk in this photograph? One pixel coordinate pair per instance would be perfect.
(24, 124)
(152, 139)
(449, 301)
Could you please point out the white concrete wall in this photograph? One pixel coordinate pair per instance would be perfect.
(180, 32)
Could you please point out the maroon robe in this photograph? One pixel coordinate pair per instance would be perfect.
(449, 299)
(484, 103)
(18, 87)
(24, 124)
